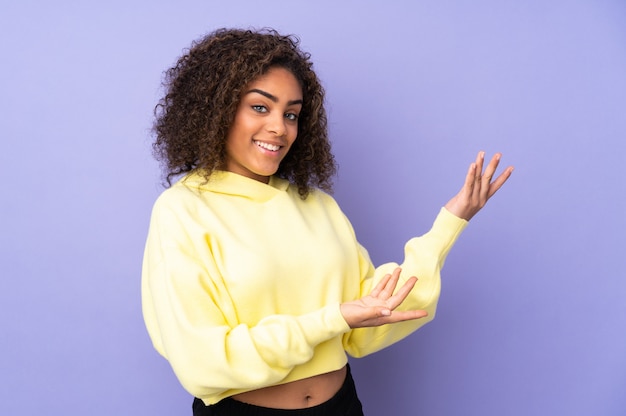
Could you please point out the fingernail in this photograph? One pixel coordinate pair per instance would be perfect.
(385, 312)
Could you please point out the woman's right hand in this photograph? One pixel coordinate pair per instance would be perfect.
(378, 308)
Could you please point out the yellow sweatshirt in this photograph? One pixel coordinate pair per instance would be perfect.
(242, 283)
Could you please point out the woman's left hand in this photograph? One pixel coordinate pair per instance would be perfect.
(478, 187)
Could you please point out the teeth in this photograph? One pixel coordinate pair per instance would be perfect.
(267, 146)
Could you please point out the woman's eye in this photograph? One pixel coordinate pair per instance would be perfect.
(291, 116)
(259, 108)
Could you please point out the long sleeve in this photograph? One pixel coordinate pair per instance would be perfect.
(424, 258)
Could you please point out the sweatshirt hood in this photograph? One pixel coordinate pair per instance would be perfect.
(230, 183)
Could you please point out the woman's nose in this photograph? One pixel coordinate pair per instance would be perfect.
(276, 125)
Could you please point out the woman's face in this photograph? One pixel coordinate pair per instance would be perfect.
(265, 125)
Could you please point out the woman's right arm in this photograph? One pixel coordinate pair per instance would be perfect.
(193, 323)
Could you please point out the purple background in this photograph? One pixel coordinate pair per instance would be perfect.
(532, 317)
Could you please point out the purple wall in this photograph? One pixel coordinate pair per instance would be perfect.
(532, 320)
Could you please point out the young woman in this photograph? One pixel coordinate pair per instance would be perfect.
(254, 285)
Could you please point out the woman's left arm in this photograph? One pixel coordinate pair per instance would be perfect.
(424, 258)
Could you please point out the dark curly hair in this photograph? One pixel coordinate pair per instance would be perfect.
(203, 91)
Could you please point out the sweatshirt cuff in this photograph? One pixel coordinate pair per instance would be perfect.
(329, 321)
(444, 232)
(448, 220)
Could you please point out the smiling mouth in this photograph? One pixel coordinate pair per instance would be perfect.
(267, 146)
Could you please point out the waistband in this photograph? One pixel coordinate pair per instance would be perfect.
(344, 402)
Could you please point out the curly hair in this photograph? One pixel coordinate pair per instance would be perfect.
(203, 91)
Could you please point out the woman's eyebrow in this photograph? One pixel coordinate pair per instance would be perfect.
(272, 97)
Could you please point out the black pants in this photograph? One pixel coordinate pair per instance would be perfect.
(344, 403)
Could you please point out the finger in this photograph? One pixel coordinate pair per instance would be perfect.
(380, 286)
(400, 316)
(480, 160)
(470, 179)
(490, 170)
(500, 180)
(403, 292)
(381, 316)
(392, 282)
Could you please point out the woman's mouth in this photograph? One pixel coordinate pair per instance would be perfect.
(267, 146)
